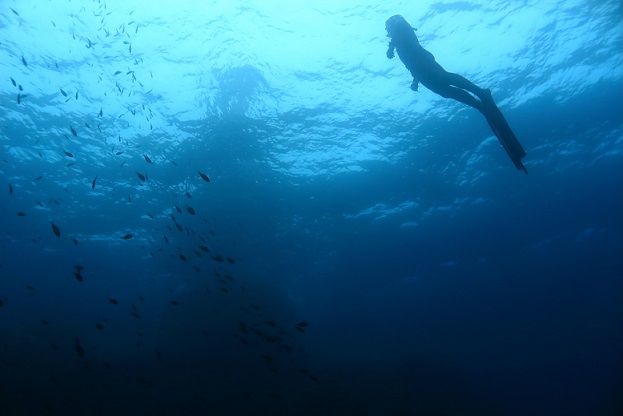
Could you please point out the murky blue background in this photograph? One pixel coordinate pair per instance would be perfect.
(360, 248)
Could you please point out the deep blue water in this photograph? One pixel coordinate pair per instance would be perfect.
(360, 248)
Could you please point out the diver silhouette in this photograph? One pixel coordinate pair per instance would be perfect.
(425, 70)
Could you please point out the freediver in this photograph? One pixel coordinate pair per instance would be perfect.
(425, 70)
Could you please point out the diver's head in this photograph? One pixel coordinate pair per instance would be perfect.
(397, 26)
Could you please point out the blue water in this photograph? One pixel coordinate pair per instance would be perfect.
(372, 250)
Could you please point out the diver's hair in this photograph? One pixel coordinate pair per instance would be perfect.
(398, 20)
(399, 25)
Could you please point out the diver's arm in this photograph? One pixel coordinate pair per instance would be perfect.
(416, 80)
(390, 50)
(414, 84)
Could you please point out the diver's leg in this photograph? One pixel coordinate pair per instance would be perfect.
(448, 91)
(450, 85)
(462, 82)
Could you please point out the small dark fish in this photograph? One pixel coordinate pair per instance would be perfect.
(10, 189)
(147, 159)
(63, 92)
(113, 301)
(68, 154)
(204, 248)
(78, 276)
(218, 259)
(57, 231)
(20, 214)
(166, 240)
(303, 324)
(75, 241)
(101, 112)
(19, 98)
(73, 131)
(76, 95)
(16, 13)
(118, 153)
(93, 183)
(127, 236)
(24, 61)
(150, 216)
(178, 209)
(70, 164)
(79, 349)
(13, 81)
(146, 383)
(183, 257)
(38, 178)
(174, 164)
(136, 315)
(179, 227)
(175, 302)
(188, 195)
(141, 176)
(99, 326)
(274, 395)
(204, 176)
(117, 72)
(230, 260)
(20, 87)
(1, 303)
(190, 209)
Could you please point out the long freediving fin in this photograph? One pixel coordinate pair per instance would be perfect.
(503, 132)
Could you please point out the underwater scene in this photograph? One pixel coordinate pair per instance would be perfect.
(245, 208)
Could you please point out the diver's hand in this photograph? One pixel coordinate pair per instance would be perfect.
(390, 53)
(414, 85)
